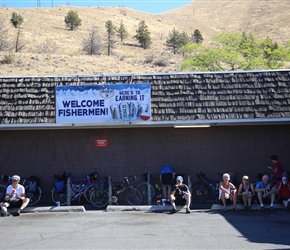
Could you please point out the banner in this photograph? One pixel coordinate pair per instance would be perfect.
(103, 103)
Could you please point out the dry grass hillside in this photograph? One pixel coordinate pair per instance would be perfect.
(46, 26)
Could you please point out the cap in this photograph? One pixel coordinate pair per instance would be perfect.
(15, 178)
(245, 177)
(284, 174)
(179, 178)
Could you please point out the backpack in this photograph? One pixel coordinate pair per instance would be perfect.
(99, 188)
(33, 182)
(59, 186)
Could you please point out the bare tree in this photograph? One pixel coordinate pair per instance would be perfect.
(48, 47)
(93, 44)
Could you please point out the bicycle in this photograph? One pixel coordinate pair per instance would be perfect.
(31, 185)
(100, 198)
(78, 188)
(205, 188)
(143, 188)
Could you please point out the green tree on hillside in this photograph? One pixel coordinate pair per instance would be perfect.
(16, 20)
(122, 32)
(176, 40)
(173, 40)
(111, 28)
(235, 52)
(197, 37)
(72, 20)
(143, 35)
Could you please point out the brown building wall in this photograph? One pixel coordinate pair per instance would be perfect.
(241, 149)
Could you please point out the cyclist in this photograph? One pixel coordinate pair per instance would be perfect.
(228, 192)
(167, 175)
(247, 192)
(266, 192)
(180, 195)
(14, 197)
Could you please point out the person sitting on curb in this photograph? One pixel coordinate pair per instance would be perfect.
(228, 192)
(265, 192)
(180, 195)
(246, 191)
(283, 190)
(14, 198)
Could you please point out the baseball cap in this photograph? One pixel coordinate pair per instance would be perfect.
(284, 174)
(15, 178)
(245, 177)
(179, 178)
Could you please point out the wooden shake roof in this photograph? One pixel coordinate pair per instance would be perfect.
(175, 96)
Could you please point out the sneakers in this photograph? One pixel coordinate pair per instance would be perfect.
(5, 214)
(225, 209)
(173, 211)
(17, 213)
(245, 208)
(188, 211)
(262, 208)
(249, 208)
(236, 209)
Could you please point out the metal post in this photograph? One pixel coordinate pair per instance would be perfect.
(68, 192)
(189, 183)
(110, 190)
(148, 188)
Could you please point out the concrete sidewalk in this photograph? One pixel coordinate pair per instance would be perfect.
(147, 208)
(50, 209)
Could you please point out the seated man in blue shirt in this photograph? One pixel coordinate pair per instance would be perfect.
(265, 192)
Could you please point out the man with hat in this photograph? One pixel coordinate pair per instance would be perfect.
(283, 190)
(180, 195)
(14, 198)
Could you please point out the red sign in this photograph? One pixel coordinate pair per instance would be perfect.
(101, 143)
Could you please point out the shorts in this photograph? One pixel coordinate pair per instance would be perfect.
(14, 204)
(180, 201)
(166, 179)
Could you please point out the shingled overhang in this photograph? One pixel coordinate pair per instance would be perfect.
(187, 99)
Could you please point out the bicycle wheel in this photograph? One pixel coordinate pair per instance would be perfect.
(99, 199)
(33, 196)
(59, 196)
(2, 192)
(143, 188)
(200, 192)
(133, 196)
(87, 193)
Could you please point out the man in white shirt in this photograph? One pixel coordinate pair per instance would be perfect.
(14, 198)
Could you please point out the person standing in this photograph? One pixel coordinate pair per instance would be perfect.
(277, 169)
(180, 195)
(167, 175)
(14, 198)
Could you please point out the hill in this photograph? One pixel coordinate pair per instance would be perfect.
(44, 26)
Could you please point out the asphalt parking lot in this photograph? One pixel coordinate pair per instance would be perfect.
(202, 229)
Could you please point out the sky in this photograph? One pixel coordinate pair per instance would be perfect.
(149, 6)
